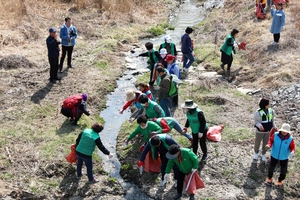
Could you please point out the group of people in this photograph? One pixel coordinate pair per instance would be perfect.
(68, 35)
(267, 134)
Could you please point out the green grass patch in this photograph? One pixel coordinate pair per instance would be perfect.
(112, 180)
(102, 64)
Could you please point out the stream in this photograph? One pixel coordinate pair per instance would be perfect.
(188, 14)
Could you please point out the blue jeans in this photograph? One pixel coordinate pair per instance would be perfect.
(188, 57)
(165, 105)
(89, 166)
(178, 128)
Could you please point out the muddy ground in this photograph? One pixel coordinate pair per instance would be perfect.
(229, 173)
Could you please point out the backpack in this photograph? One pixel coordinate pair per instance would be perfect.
(72, 101)
(260, 12)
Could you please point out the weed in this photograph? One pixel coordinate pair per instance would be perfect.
(112, 180)
(126, 166)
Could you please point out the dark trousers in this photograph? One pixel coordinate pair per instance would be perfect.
(276, 37)
(53, 67)
(283, 166)
(164, 162)
(66, 49)
(180, 181)
(202, 142)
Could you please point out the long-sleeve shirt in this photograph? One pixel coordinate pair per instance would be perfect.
(52, 46)
(98, 142)
(186, 44)
(202, 122)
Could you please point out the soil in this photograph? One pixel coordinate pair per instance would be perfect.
(229, 173)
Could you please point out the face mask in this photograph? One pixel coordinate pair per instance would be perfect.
(168, 41)
(143, 104)
(145, 126)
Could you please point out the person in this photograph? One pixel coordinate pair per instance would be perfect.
(132, 97)
(187, 50)
(53, 54)
(277, 21)
(169, 46)
(154, 58)
(187, 162)
(173, 68)
(159, 144)
(163, 91)
(75, 111)
(151, 108)
(264, 122)
(196, 119)
(168, 123)
(68, 35)
(145, 128)
(163, 53)
(144, 88)
(227, 49)
(283, 148)
(85, 146)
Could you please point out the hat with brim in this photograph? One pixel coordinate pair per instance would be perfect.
(173, 152)
(189, 104)
(285, 128)
(130, 95)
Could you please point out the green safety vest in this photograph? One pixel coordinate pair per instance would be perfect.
(268, 117)
(162, 138)
(150, 112)
(194, 121)
(169, 120)
(163, 45)
(152, 54)
(228, 49)
(87, 143)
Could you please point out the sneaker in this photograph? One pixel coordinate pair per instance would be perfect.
(58, 79)
(175, 185)
(70, 66)
(222, 66)
(269, 181)
(162, 184)
(255, 157)
(274, 43)
(204, 157)
(53, 81)
(177, 196)
(78, 177)
(192, 197)
(279, 183)
(263, 158)
(94, 181)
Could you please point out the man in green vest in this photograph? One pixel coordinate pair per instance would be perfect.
(151, 108)
(196, 119)
(145, 128)
(85, 146)
(159, 144)
(186, 161)
(154, 57)
(169, 46)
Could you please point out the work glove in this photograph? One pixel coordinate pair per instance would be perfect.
(193, 170)
(200, 135)
(267, 147)
(291, 155)
(166, 177)
(110, 155)
(131, 120)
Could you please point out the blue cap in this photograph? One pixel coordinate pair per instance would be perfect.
(52, 30)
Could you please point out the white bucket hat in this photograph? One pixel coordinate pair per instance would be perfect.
(163, 51)
(130, 95)
(189, 104)
(285, 128)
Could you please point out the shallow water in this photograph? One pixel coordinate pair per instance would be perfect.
(187, 15)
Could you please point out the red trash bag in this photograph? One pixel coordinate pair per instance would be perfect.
(242, 45)
(152, 165)
(214, 133)
(71, 157)
(193, 182)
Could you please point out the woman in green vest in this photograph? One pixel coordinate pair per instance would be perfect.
(186, 161)
(169, 46)
(227, 49)
(196, 119)
(85, 146)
